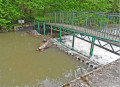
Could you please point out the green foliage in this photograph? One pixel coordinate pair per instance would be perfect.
(41, 18)
(13, 10)
(8, 13)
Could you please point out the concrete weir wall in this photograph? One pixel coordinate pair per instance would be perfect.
(23, 28)
(77, 56)
(106, 76)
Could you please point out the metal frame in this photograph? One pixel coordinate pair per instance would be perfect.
(98, 24)
(86, 37)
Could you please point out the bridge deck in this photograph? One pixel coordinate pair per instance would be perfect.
(91, 32)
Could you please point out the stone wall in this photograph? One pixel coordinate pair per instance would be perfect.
(106, 76)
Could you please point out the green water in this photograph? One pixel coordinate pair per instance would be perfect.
(22, 66)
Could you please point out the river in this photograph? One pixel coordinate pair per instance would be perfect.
(22, 66)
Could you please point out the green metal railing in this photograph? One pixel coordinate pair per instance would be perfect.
(106, 25)
(73, 32)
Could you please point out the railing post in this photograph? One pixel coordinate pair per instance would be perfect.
(60, 34)
(34, 24)
(92, 46)
(73, 40)
(73, 18)
(106, 26)
(49, 17)
(101, 21)
(86, 22)
(62, 16)
(55, 17)
(51, 30)
(66, 17)
(44, 27)
(38, 28)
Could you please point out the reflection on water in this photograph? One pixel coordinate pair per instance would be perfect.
(22, 66)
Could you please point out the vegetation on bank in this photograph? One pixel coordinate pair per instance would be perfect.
(13, 10)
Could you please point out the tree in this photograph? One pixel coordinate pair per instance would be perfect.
(12, 10)
(8, 13)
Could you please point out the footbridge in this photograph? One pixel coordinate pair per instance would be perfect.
(100, 29)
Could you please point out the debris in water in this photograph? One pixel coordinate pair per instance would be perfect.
(46, 44)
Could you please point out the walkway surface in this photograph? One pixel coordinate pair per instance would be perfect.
(90, 31)
(106, 76)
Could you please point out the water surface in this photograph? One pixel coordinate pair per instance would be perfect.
(22, 66)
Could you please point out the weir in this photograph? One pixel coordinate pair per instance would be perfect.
(98, 29)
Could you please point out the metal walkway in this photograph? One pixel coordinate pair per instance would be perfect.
(98, 24)
(91, 27)
(89, 31)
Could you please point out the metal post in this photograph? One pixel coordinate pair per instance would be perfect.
(34, 24)
(101, 21)
(73, 18)
(106, 25)
(86, 22)
(38, 28)
(60, 34)
(73, 40)
(44, 27)
(62, 17)
(49, 17)
(55, 17)
(92, 46)
(67, 18)
(51, 30)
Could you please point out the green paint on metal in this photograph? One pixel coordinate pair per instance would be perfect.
(55, 17)
(73, 19)
(62, 18)
(86, 22)
(38, 28)
(106, 26)
(49, 18)
(101, 21)
(51, 30)
(62, 29)
(92, 46)
(44, 27)
(73, 40)
(114, 22)
(60, 34)
(84, 33)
